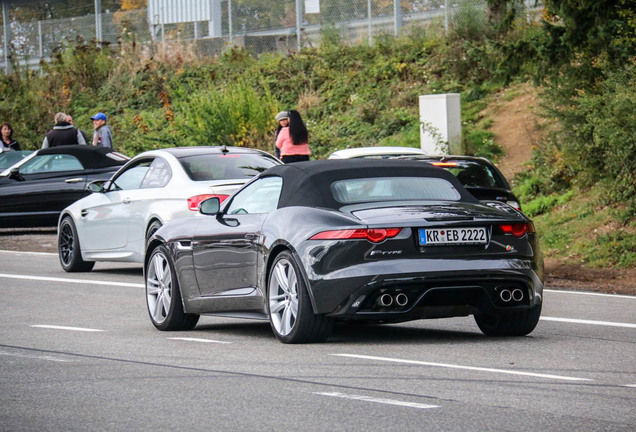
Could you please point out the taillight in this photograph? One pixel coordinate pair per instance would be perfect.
(517, 230)
(193, 202)
(374, 235)
(445, 164)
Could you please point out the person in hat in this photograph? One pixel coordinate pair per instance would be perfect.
(292, 140)
(63, 133)
(283, 121)
(103, 136)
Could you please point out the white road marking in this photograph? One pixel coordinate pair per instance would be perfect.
(378, 400)
(27, 253)
(54, 327)
(591, 294)
(581, 321)
(78, 281)
(187, 339)
(631, 385)
(455, 366)
(47, 358)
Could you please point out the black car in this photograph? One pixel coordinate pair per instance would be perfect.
(36, 190)
(309, 243)
(477, 174)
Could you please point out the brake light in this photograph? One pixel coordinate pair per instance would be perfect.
(445, 164)
(374, 235)
(193, 202)
(517, 230)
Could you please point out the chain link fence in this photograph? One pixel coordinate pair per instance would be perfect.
(258, 25)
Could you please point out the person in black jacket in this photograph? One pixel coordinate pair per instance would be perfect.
(8, 143)
(63, 133)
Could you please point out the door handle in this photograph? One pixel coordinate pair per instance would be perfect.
(126, 201)
(74, 180)
(84, 212)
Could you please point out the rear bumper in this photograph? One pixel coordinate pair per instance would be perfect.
(449, 288)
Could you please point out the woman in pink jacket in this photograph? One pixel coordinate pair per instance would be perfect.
(292, 140)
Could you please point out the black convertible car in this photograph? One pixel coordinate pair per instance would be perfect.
(34, 191)
(309, 243)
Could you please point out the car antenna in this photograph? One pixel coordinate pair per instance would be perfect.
(224, 149)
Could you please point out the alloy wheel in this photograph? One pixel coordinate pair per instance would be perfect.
(283, 297)
(66, 244)
(159, 287)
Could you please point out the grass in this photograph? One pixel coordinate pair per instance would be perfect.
(583, 230)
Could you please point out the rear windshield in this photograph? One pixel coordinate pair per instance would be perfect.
(361, 190)
(475, 174)
(225, 167)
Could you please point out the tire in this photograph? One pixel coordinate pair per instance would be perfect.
(154, 226)
(68, 248)
(289, 307)
(513, 323)
(163, 296)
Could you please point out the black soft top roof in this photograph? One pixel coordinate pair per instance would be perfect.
(309, 183)
(89, 156)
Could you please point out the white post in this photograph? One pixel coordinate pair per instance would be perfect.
(299, 21)
(229, 18)
(98, 22)
(214, 25)
(397, 12)
(441, 124)
(7, 37)
(369, 22)
(40, 42)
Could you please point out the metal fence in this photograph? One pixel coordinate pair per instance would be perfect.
(258, 25)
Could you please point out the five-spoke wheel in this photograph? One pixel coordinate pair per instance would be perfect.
(290, 312)
(163, 296)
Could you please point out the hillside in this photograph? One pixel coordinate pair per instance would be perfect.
(515, 129)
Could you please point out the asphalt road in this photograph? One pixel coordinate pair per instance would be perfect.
(78, 353)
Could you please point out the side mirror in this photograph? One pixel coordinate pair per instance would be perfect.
(210, 206)
(15, 174)
(96, 186)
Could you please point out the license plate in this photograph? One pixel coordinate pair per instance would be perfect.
(452, 236)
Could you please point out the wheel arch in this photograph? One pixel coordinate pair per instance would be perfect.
(274, 252)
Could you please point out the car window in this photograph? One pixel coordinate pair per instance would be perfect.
(260, 196)
(351, 191)
(216, 166)
(132, 177)
(158, 174)
(51, 163)
(477, 175)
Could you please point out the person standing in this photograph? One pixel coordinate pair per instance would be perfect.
(63, 133)
(103, 136)
(8, 143)
(283, 121)
(292, 140)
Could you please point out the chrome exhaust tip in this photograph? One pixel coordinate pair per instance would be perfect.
(505, 295)
(401, 299)
(385, 300)
(517, 295)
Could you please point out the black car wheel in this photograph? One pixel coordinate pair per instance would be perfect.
(163, 296)
(68, 247)
(512, 323)
(154, 226)
(289, 306)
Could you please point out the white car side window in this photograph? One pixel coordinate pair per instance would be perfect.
(259, 197)
(132, 177)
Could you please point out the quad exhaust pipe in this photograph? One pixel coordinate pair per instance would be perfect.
(387, 300)
(507, 295)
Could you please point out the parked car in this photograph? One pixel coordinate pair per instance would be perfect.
(35, 190)
(308, 243)
(380, 152)
(9, 158)
(477, 174)
(113, 223)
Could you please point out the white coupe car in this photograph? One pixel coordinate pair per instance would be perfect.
(113, 223)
